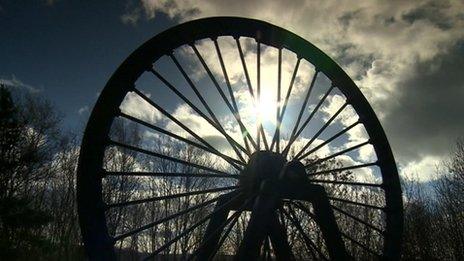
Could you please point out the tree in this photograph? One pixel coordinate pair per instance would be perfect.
(450, 202)
(27, 142)
(60, 202)
(434, 213)
(419, 223)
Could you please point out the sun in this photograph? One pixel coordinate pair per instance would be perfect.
(266, 108)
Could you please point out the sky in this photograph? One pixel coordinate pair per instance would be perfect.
(405, 56)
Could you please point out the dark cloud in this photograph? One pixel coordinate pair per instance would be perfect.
(433, 12)
(402, 54)
(426, 112)
(346, 18)
(347, 55)
(385, 20)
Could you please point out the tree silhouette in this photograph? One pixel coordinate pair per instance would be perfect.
(22, 154)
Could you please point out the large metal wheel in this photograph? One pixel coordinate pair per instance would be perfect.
(234, 137)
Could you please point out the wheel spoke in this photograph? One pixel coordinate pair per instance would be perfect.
(157, 222)
(365, 248)
(166, 197)
(343, 169)
(191, 228)
(359, 220)
(308, 242)
(172, 118)
(243, 129)
(297, 156)
(287, 97)
(247, 76)
(216, 84)
(303, 126)
(345, 183)
(230, 160)
(258, 69)
(334, 243)
(329, 140)
(224, 236)
(258, 92)
(356, 203)
(217, 231)
(337, 154)
(217, 125)
(250, 89)
(220, 228)
(279, 86)
(171, 174)
(303, 106)
(311, 215)
(165, 157)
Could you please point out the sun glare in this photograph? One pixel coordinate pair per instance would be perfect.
(266, 108)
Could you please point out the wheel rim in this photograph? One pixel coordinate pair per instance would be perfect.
(92, 176)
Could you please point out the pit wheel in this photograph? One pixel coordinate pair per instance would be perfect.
(234, 137)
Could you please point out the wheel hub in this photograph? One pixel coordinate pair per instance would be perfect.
(269, 166)
(263, 165)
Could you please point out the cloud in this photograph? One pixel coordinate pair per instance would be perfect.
(426, 112)
(174, 9)
(404, 55)
(202, 128)
(131, 18)
(422, 170)
(248, 108)
(433, 12)
(348, 116)
(17, 83)
(361, 174)
(132, 15)
(82, 110)
(137, 107)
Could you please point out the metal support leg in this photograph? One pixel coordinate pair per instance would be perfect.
(212, 234)
(324, 215)
(278, 236)
(257, 229)
(264, 222)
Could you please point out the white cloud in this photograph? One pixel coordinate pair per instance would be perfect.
(202, 128)
(249, 109)
(135, 106)
(82, 110)
(17, 83)
(378, 43)
(422, 170)
(361, 174)
(320, 153)
(347, 117)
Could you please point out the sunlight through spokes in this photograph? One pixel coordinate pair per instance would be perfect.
(266, 108)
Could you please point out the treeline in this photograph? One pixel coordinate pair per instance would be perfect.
(434, 214)
(38, 217)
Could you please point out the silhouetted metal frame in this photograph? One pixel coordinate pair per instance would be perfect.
(98, 243)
